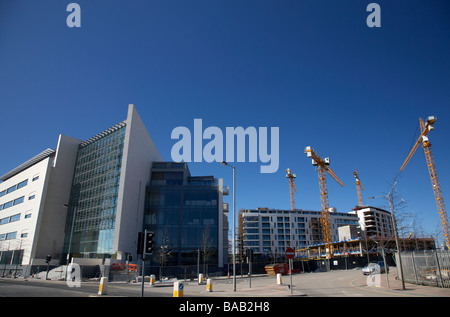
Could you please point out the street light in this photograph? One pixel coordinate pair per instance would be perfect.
(234, 222)
(70, 239)
(389, 197)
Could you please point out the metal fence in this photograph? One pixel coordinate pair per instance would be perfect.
(430, 268)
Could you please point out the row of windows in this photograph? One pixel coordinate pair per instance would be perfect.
(12, 203)
(18, 186)
(269, 231)
(12, 218)
(8, 236)
(279, 243)
(278, 225)
(13, 188)
(287, 220)
(278, 237)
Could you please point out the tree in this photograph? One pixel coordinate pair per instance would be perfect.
(207, 243)
(163, 252)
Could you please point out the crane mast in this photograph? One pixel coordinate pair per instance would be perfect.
(323, 169)
(359, 186)
(426, 145)
(292, 187)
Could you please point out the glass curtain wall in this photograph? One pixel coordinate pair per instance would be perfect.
(184, 217)
(93, 201)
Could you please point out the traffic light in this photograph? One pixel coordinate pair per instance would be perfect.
(147, 240)
(149, 243)
(48, 258)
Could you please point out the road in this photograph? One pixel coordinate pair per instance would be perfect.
(343, 283)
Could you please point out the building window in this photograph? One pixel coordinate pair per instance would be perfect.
(14, 218)
(11, 189)
(8, 236)
(19, 200)
(8, 204)
(22, 184)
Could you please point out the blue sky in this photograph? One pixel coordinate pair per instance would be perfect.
(312, 68)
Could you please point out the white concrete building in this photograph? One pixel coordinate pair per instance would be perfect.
(374, 222)
(271, 231)
(32, 198)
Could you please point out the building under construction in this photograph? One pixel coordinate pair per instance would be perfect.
(360, 247)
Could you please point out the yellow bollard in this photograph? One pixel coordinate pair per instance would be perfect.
(209, 285)
(152, 280)
(178, 289)
(200, 278)
(103, 286)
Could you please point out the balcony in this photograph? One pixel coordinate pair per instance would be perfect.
(226, 191)
(225, 207)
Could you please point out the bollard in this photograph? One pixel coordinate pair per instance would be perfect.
(103, 286)
(152, 280)
(200, 279)
(178, 289)
(279, 280)
(209, 285)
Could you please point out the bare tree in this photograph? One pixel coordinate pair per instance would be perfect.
(163, 252)
(207, 243)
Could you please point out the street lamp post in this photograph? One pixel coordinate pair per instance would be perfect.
(70, 239)
(234, 223)
(390, 198)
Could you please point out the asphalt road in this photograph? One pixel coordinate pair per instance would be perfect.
(343, 283)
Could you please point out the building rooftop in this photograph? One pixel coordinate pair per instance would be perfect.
(36, 159)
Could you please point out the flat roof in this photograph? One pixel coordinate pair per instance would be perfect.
(35, 159)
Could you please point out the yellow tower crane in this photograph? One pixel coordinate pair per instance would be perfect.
(292, 187)
(426, 145)
(322, 169)
(359, 186)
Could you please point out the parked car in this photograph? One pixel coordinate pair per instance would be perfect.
(374, 268)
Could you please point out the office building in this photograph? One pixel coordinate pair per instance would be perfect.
(32, 198)
(89, 199)
(187, 215)
(106, 205)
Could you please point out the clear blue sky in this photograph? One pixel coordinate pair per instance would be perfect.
(312, 68)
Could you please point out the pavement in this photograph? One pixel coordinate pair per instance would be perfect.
(345, 283)
(394, 287)
(259, 288)
(384, 285)
(354, 284)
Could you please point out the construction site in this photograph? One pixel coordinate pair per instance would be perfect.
(374, 238)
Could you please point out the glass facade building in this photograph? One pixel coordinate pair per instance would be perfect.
(92, 207)
(183, 212)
